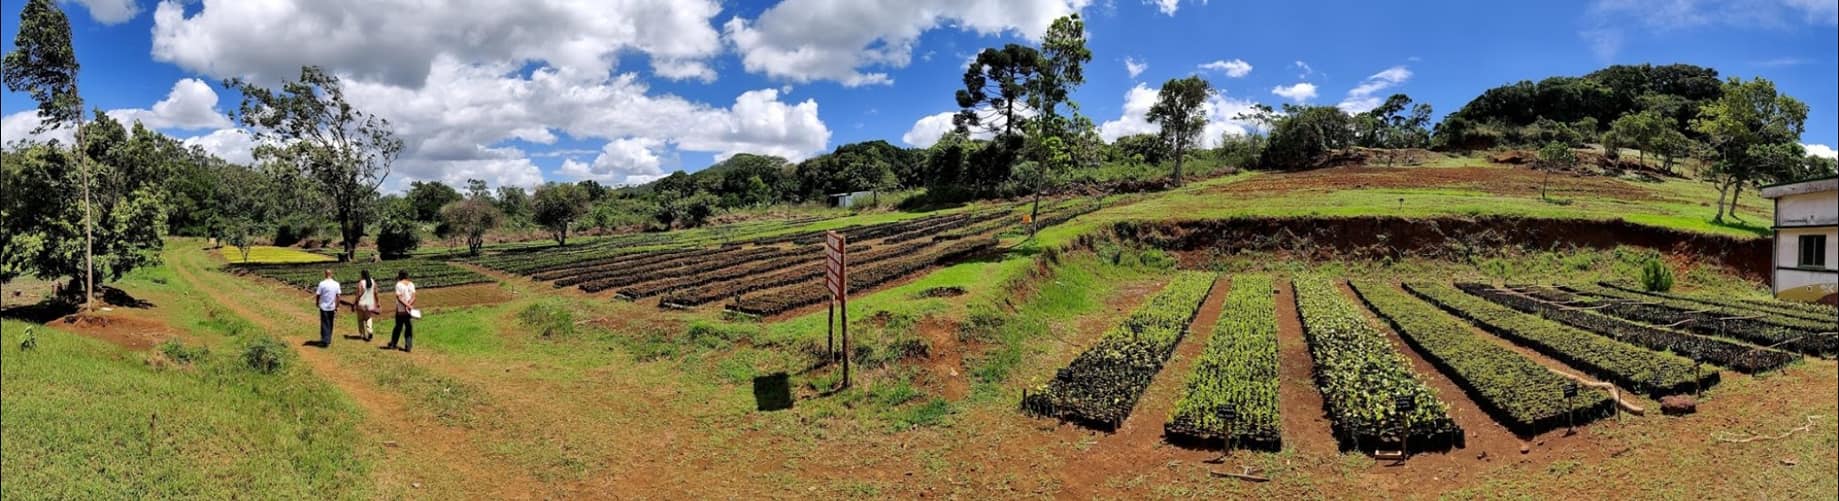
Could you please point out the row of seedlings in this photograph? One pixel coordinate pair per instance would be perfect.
(968, 220)
(427, 273)
(1738, 357)
(807, 272)
(1231, 396)
(1099, 388)
(1822, 315)
(1792, 334)
(727, 270)
(1521, 394)
(1372, 395)
(593, 269)
(1653, 373)
(686, 265)
(861, 278)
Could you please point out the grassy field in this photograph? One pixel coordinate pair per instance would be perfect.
(88, 418)
(1679, 204)
(547, 392)
(268, 254)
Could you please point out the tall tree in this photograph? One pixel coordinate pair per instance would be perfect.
(1643, 130)
(43, 64)
(1301, 134)
(514, 201)
(1389, 126)
(428, 197)
(1554, 156)
(475, 188)
(1179, 110)
(472, 218)
(995, 86)
(308, 127)
(1741, 126)
(1063, 56)
(557, 206)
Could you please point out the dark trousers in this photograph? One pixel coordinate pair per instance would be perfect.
(405, 329)
(325, 327)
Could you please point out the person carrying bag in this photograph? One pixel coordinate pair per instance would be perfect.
(366, 306)
(406, 313)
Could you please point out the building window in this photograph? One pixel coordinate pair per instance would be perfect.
(1813, 251)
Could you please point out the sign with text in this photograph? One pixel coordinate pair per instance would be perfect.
(836, 265)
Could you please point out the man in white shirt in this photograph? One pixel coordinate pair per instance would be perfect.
(327, 297)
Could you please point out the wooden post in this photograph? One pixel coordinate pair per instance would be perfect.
(845, 340)
(1570, 410)
(830, 333)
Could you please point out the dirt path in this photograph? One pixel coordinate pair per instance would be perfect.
(420, 454)
(1138, 441)
(1300, 405)
(945, 359)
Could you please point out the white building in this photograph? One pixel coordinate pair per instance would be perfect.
(1806, 264)
(852, 199)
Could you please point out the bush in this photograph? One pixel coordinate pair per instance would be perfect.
(265, 354)
(1656, 276)
(549, 320)
(180, 353)
(397, 237)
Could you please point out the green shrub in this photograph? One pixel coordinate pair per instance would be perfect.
(549, 320)
(180, 353)
(1156, 259)
(29, 341)
(265, 354)
(1656, 276)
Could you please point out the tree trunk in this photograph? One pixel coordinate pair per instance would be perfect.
(1178, 155)
(1034, 215)
(1722, 189)
(1547, 181)
(346, 225)
(89, 238)
(1736, 192)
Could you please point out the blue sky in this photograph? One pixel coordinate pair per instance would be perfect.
(627, 90)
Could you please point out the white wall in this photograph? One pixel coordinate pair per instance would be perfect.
(1807, 208)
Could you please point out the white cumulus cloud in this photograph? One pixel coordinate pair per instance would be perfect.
(233, 145)
(1366, 96)
(466, 85)
(191, 104)
(21, 126)
(396, 41)
(839, 40)
(1299, 92)
(1236, 68)
(1222, 113)
(464, 110)
(1821, 150)
(621, 162)
(1168, 7)
(110, 12)
(1134, 67)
